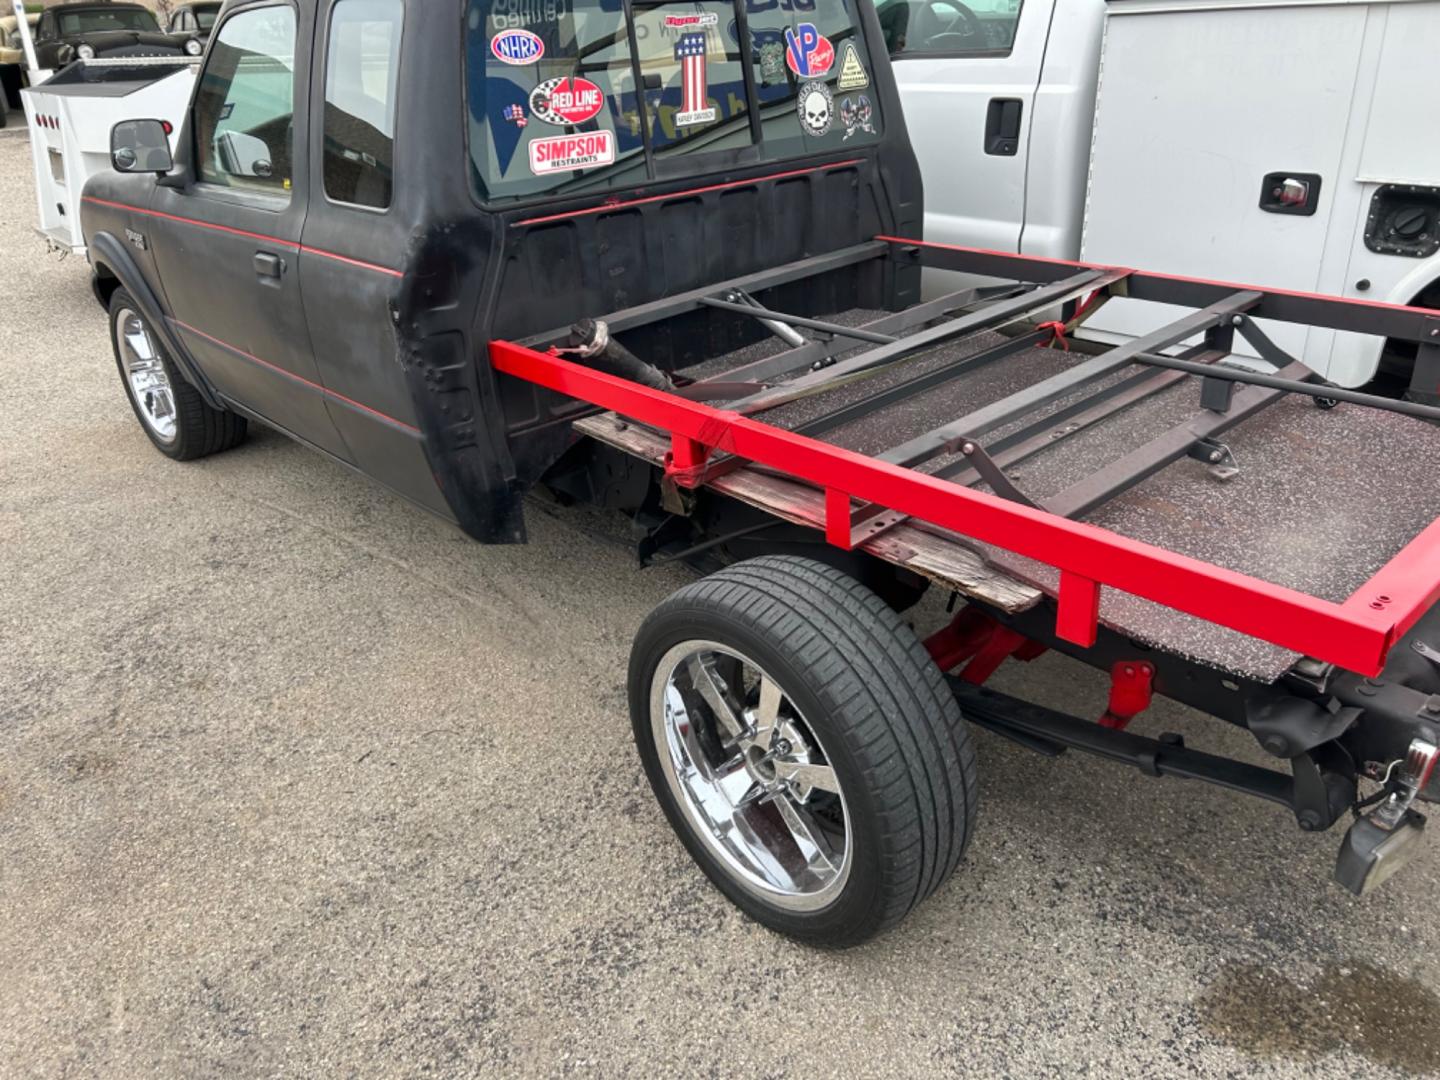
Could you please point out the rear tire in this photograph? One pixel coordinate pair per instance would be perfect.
(853, 795)
(170, 410)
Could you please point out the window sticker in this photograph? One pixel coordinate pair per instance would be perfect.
(565, 153)
(857, 114)
(816, 106)
(566, 100)
(517, 47)
(770, 54)
(852, 72)
(695, 20)
(808, 53)
(515, 114)
(695, 108)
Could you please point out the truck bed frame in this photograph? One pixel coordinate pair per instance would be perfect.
(884, 505)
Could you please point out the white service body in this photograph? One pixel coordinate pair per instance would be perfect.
(1190, 104)
(70, 126)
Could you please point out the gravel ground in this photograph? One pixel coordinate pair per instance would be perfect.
(294, 779)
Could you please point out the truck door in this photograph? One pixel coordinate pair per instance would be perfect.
(227, 245)
(967, 73)
(355, 239)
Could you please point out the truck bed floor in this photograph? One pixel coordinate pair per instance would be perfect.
(1323, 498)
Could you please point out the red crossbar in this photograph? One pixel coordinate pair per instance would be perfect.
(1354, 635)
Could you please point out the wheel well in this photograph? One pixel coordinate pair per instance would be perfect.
(1397, 362)
(103, 283)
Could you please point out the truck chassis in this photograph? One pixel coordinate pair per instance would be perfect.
(1331, 715)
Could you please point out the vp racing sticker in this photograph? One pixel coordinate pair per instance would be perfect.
(816, 106)
(517, 47)
(566, 100)
(808, 53)
(563, 153)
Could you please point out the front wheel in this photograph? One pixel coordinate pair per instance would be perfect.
(171, 411)
(803, 746)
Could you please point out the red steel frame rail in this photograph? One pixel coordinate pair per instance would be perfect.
(1356, 634)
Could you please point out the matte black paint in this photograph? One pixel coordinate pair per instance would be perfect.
(411, 343)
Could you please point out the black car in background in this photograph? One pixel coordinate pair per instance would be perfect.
(194, 20)
(85, 31)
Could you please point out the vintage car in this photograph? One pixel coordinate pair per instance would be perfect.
(665, 257)
(12, 61)
(85, 31)
(194, 20)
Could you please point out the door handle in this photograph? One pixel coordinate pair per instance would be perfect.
(1002, 126)
(268, 265)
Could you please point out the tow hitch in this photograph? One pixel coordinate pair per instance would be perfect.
(1386, 838)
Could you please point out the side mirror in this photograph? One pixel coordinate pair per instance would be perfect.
(141, 146)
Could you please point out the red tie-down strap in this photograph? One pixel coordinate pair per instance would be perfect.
(1059, 329)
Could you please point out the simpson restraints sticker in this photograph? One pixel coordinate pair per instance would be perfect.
(856, 115)
(852, 72)
(566, 100)
(566, 152)
(695, 107)
(517, 47)
(808, 53)
(816, 107)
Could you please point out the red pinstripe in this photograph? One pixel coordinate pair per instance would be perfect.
(362, 264)
(325, 390)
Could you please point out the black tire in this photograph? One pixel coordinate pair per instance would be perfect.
(198, 430)
(879, 707)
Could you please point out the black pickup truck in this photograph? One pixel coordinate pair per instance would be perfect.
(664, 257)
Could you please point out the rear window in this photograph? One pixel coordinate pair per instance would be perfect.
(98, 20)
(565, 95)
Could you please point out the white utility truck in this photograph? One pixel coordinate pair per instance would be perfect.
(1288, 143)
(71, 112)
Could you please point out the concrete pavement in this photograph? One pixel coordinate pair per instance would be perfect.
(297, 780)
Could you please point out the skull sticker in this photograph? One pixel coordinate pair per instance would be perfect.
(816, 106)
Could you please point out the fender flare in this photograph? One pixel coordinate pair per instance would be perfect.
(106, 250)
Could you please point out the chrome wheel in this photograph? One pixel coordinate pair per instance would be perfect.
(145, 372)
(751, 775)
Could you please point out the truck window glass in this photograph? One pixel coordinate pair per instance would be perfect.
(359, 123)
(552, 87)
(244, 110)
(949, 27)
(204, 18)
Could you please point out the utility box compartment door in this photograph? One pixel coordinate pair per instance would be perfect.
(1197, 105)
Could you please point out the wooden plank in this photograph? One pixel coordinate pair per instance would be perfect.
(944, 560)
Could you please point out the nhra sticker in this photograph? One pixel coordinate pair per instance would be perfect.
(566, 152)
(816, 107)
(566, 100)
(695, 105)
(808, 53)
(852, 72)
(517, 47)
(856, 116)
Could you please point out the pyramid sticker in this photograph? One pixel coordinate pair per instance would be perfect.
(852, 72)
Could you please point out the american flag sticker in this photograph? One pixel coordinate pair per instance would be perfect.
(690, 53)
(515, 114)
